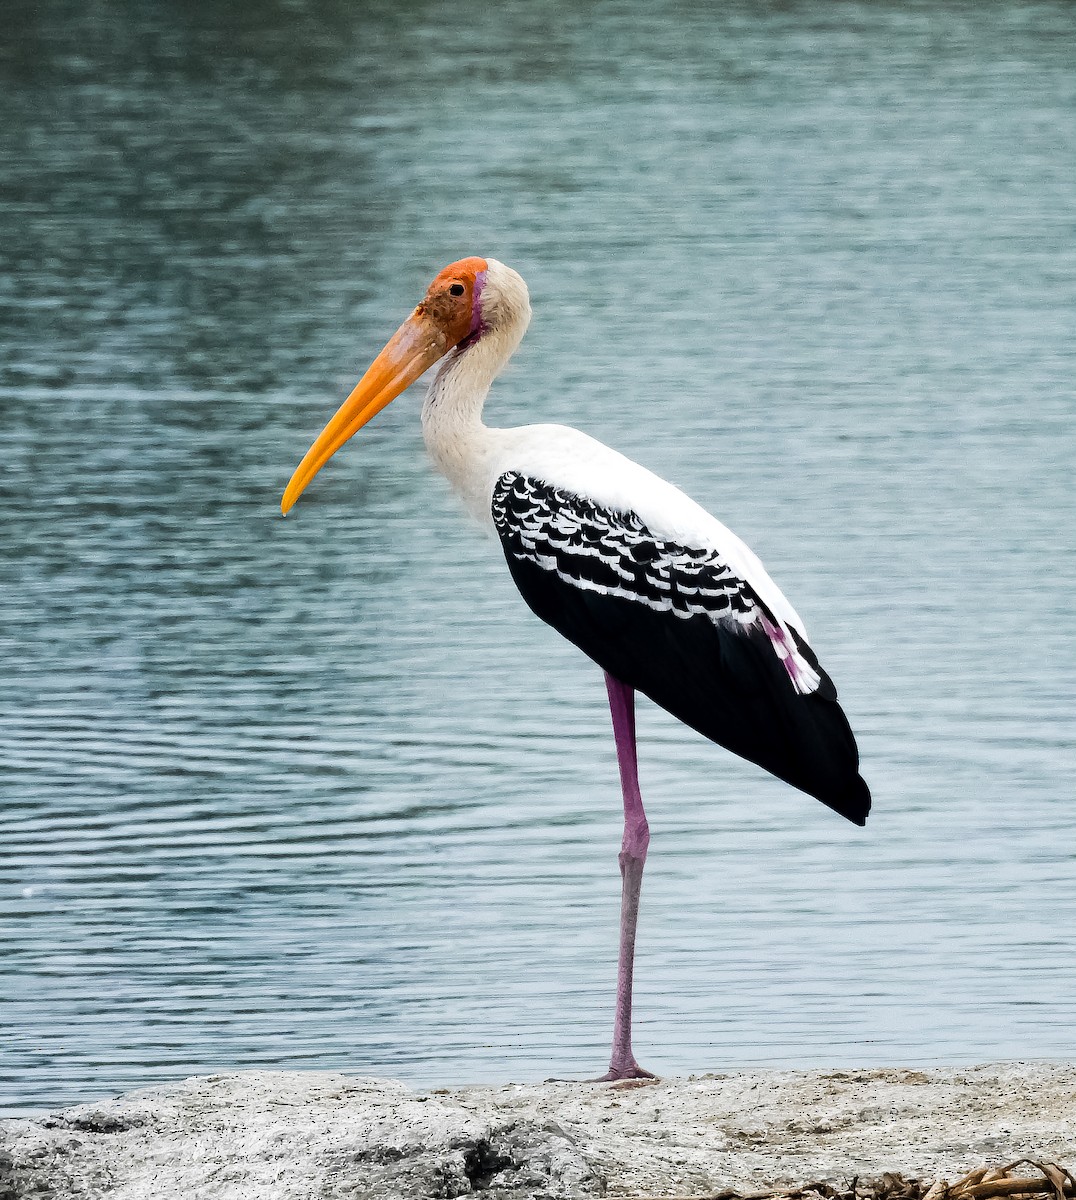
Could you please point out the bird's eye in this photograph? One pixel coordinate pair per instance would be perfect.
(456, 289)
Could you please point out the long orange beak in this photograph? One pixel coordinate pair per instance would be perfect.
(412, 349)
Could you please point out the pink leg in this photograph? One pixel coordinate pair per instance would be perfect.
(622, 1064)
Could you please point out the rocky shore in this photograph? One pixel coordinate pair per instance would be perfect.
(293, 1136)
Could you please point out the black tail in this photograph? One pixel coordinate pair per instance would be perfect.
(728, 685)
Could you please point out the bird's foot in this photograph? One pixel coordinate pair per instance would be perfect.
(629, 1073)
(625, 1074)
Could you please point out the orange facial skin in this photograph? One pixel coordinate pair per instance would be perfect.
(448, 314)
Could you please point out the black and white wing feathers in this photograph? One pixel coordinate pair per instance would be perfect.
(679, 624)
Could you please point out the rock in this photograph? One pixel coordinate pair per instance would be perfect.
(319, 1136)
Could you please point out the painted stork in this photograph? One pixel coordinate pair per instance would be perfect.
(662, 596)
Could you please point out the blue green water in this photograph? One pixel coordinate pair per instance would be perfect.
(321, 792)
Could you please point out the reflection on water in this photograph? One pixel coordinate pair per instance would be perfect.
(320, 792)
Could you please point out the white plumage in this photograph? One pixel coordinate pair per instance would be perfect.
(473, 457)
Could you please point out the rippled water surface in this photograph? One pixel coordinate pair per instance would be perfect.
(321, 792)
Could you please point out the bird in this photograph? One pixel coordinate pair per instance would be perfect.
(663, 597)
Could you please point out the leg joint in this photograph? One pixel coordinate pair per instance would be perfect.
(636, 838)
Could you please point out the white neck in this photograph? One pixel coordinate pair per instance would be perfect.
(463, 449)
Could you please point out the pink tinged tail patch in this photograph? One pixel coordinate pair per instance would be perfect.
(805, 679)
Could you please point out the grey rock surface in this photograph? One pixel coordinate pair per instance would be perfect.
(300, 1135)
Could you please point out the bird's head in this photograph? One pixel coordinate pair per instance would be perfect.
(467, 301)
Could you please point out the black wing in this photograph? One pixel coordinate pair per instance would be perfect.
(678, 624)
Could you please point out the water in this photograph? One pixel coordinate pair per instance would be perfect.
(321, 792)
